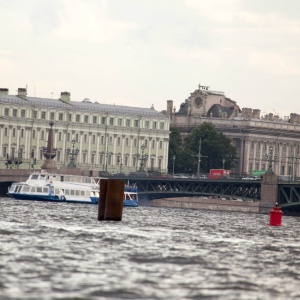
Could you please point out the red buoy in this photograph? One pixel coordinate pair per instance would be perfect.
(275, 216)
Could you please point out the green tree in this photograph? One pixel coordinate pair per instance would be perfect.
(215, 147)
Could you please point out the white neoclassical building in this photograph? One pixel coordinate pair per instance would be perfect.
(259, 140)
(109, 138)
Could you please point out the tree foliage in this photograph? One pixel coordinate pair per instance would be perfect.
(215, 147)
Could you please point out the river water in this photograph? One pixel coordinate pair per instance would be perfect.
(60, 251)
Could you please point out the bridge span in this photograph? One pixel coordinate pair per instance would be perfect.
(267, 191)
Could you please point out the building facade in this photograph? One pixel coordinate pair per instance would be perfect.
(260, 141)
(109, 138)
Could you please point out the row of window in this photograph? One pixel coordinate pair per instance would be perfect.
(79, 118)
(85, 138)
(258, 146)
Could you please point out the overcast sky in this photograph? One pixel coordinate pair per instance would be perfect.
(144, 52)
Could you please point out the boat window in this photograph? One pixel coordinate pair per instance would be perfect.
(43, 177)
(67, 192)
(32, 190)
(82, 193)
(45, 190)
(34, 177)
(39, 190)
(26, 189)
(77, 193)
(72, 192)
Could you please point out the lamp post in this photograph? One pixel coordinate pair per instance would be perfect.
(72, 153)
(143, 159)
(223, 162)
(269, 158)
(120, 163)
(199, 156)
(174, 157)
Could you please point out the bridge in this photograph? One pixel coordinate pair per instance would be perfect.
(267, 191)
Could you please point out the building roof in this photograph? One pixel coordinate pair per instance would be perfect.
(85, 105)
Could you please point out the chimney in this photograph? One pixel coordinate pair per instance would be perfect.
(3, 91)
(65, 96)
(22, 92)
(169, 108)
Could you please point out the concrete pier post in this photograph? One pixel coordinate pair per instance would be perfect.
(269, 192)
(110, 207)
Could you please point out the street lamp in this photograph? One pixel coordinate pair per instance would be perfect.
(269, 158)
(174, 157)
(72, 153)
(120, 163)
(143, 159)
(223, 162)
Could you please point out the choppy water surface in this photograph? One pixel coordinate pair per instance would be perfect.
(61, 251)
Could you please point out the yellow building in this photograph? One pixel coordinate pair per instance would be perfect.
(109, 138)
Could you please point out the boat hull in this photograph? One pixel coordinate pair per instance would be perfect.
(126, 203)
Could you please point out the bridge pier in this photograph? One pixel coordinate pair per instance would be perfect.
(269, 192)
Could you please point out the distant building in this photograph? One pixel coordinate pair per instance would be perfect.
(258, 139)
(109, 137)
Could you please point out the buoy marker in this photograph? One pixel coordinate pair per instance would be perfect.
(275, 216)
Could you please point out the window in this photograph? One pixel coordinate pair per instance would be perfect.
(77, 118)
(5, 131)
(146, 143)
(15, 112)
(110, 140)
(22, 133)
(34, 114)
(162, 125)
(59, 136)
(84, 157)
(86, 119)
(14, 132)
(52, 116)
(153, 143)
(160, 144)
(118, 141)
(154, 125)
(103, 120)
(23, 113)
(58, 155)
(126, 142)
(69, 136)
(6, 112)
(111, 121)
(147, 124)
(42, 135)
(33, 134)
(60, 116)
(43, 115)
(94, 119)
(93, 158)
(94, 139)
(135, 142)
(102, 140)
(159, 163)
(128, 123)
(136, 123)
(77, 137)
(4, 151)
(120, 122)
(85, 138)
(101, 159)
(134, 160)
(126, 161)
(70, 117)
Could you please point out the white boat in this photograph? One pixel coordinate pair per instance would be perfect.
(42, 186)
